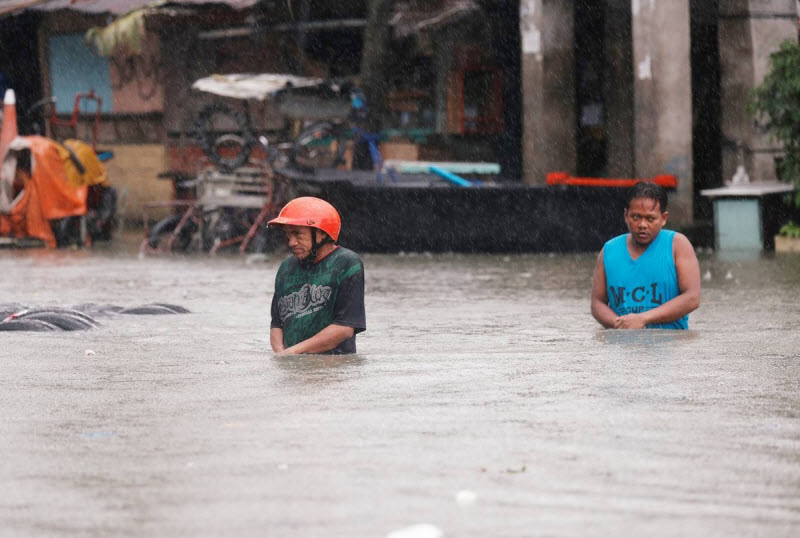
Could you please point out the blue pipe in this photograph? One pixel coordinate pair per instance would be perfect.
(449, 176)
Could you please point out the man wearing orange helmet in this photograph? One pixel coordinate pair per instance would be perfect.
(318, 305)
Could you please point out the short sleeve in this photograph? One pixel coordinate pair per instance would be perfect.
(276, 322)
(349, 308)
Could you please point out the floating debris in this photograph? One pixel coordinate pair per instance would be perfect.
(95, 310)
(27, 325)
(47, 319)
(63, 318)
(6, 309)
(422, 530)
(17, 317)
(155, 309)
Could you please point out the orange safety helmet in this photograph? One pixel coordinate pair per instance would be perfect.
(312, 212)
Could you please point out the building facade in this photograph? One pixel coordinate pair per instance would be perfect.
(604, 88)
(659, 86)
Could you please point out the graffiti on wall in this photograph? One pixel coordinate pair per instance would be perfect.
(142, 72)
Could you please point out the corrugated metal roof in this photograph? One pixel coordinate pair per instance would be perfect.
(413, 16)
(115, 7)
(409, 17)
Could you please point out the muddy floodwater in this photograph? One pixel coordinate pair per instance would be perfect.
(484, 401)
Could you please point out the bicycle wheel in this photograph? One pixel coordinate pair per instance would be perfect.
(162, 230)
(218, 226)
(224, 135)
(319, 146)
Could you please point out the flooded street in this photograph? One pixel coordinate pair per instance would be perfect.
(477, 372)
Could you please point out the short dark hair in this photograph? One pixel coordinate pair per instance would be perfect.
(648, 189)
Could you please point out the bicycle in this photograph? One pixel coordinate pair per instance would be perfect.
(227, 134)
(323, 144)
(72, 122)
(326, 145)
(228, 208)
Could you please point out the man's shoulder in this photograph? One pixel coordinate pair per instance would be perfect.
(347, 257)
(287, 264)
(346, 264)
(614, 241)
(680, 242)
(673, 236)
(678, 236)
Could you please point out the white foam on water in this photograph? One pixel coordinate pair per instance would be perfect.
(466, 497)
(421, 530)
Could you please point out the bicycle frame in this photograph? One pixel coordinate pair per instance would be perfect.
(251, 196)
(323, 133)
(72, 122)
(372, 140)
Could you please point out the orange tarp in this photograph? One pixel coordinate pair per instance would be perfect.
(94, 173)
(46, 195)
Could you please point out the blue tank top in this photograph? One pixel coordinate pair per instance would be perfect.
(636, 286)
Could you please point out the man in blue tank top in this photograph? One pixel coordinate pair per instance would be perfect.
(650, 277)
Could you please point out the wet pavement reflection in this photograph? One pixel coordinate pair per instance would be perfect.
(484, 401)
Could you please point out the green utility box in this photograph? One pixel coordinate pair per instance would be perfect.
(744, 214)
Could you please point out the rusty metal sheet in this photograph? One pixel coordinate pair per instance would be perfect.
(115, 7)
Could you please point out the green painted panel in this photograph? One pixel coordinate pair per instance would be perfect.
(737, 224)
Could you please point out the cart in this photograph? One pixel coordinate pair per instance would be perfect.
(231, 209)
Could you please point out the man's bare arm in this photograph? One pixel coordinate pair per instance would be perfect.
(688, 269)
(276, 339)
(325, 340)
(600, 309)
(688, 299)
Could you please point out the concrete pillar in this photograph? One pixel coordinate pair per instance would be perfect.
(618, 88)
(548, 88)
(663, 97)
(749, 31)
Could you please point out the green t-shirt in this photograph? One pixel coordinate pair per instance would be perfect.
(309, 299)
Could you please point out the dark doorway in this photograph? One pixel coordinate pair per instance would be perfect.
(591, 132)
(504, 21)
(337, 48)
(706, 107)
(19, 66)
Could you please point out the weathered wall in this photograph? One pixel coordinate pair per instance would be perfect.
(749, 31)
(663, 97)
(548, 92)
(134, 130)
(134, 169)
(136, 80)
